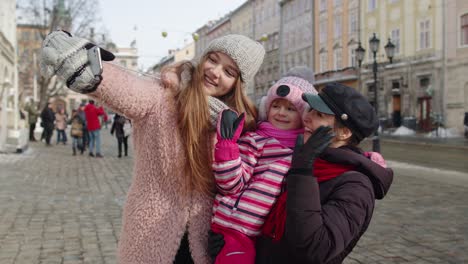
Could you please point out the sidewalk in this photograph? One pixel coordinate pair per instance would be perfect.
(421, 139)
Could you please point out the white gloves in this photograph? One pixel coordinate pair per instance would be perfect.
(67, 57)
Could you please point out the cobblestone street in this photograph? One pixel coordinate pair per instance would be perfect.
(56, 208)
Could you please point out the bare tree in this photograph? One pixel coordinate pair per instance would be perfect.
(79, 17)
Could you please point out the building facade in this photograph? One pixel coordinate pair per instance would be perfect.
(410, 90)
(297, 31)
(266, 26)
(456, 63)
(185, 53)
(336, 38)
(13, 130)
(29, 50)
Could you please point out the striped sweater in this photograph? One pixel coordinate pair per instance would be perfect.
(249, 185)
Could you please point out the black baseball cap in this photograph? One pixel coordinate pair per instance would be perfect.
(351, 108)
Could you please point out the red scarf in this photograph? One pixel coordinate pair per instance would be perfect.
(275, 222)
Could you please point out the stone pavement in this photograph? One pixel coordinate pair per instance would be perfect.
(56, 208)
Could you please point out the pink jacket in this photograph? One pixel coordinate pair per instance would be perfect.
(249, 184)
(157, 212)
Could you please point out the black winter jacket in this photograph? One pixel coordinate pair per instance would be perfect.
(325, 221)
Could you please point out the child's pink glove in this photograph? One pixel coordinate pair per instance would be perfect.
(228, 131)
(377, 158)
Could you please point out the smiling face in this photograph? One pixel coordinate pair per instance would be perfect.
(284, 115)
(313, 119)
(220, 74)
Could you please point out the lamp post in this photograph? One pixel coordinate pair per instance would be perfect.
(374, 48)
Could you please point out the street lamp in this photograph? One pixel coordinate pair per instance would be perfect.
(374, 48)
(360, 51)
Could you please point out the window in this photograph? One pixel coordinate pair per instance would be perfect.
(337, 3)
(424, 34)
(338, 26)
(464, 29)
(396, 40)
(338, 59)
(372, 5)
(323, 5)
(353, 22)
(323, 62)
(323, 31)
(352, 56)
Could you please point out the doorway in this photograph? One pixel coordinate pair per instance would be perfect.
(424, 117)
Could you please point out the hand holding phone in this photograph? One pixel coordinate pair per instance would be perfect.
(95, 62)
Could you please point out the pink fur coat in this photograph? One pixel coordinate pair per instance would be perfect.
(157, 211)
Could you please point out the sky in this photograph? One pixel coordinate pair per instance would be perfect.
(144, 20)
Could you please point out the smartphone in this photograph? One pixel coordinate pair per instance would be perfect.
(94, 57)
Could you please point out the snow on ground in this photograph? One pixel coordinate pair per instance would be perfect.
(403, 131)
(443, 133)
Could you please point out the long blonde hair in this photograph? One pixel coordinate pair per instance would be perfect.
(194, 122)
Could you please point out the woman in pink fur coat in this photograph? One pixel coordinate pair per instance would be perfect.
(166, 217)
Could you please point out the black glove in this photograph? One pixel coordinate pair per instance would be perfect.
(215, 244)
(230, 125)
(304, 154)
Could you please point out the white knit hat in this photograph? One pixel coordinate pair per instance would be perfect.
(289, 88)
(247, 53)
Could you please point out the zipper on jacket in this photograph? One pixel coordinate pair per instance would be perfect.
(234, 208)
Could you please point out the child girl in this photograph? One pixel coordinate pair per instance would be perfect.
(249, 173)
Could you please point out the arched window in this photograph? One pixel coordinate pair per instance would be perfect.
(464, 29)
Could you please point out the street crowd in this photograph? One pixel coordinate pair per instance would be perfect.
(85, 124)
(218, 180)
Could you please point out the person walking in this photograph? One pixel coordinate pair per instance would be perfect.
(94, 127)
(33, 114)
(76, 132)
(122, 132)
(332, 185)
(167, 213)
(61, 125)
(47, 122)
(85, 137)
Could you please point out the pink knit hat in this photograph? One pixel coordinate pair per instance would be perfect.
(289, 88)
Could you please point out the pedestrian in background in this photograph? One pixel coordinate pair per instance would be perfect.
(33, 114)
(122, 132)
(61, 125)
(85, 137)
(76, 132)
(94, 127)
(166, 217)
(47, 122)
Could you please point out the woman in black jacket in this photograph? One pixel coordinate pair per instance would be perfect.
(331, 187)
(119, 127)
(331, 192)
